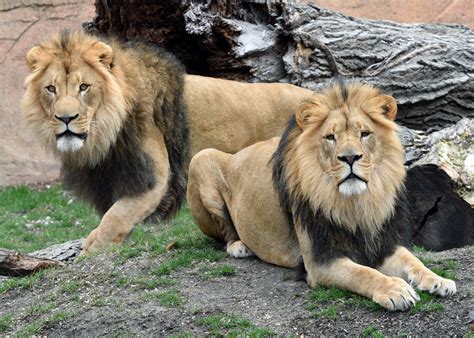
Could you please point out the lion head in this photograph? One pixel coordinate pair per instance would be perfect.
(343, 156)
(74, 98)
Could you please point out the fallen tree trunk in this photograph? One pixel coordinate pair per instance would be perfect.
(427, 67)
(15, 264)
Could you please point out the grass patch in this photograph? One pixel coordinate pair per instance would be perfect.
(419, 249)
(70, 287)
(40, 309)
(190, 245)
(40, 324)
(427, 303)
(99, 302)
(231, 325)
(21, 282)
(152, 282)
(329, 312)
(32, 219)
(6, 322)
(445, 268)
(335, 296)
(122, 281)
(334, 299)
(371, 331)
(171, 298)
(218, 271)
(327, 302)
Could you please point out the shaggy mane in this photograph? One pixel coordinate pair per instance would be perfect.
(112, 162)
(297, 187)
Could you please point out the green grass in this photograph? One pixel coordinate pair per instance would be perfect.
(32, 219)
(39, 309)
(21, 282)
(122, 281)
(326, 302)
(427, 303)
(371, 331)
(70, 287)
(40, 324)
(445, 268)
(233, 326)
(419, 249)
(145, 282)
(329, 311)
(5, 322)
(190, 246)
(218, 271)
(171, 298)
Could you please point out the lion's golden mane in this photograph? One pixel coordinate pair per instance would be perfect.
(303, 171)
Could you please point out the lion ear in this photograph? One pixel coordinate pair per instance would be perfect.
(389, 107)
(33, 57)
(308, 113)
(104, 53)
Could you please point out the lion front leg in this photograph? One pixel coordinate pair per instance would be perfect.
(393, 293)
(405, 265)
(119, 220)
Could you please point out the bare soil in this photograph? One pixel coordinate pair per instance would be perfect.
(98, 296)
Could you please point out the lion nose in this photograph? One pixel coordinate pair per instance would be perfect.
(66, 119)
(349, 159)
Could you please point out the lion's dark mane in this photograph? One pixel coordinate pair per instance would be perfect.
(330, 240)
(128, 170)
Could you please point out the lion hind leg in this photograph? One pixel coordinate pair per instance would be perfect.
(238, 249)
(405, 265)
(206, 190)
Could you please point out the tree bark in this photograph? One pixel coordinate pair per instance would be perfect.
(427, 67)
(16, 264)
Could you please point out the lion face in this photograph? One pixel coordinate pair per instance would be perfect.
(70, 100)
(350, 149)
(345, 156)
(73, 99)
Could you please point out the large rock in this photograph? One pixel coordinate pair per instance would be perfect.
(22, 25)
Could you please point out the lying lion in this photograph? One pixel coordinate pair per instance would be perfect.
(125, 120)
(330, 191)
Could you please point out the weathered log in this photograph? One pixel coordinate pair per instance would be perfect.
(67, 251)
(427, 67)
(14, 264)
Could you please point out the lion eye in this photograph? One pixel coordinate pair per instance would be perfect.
(365, 133)
(51, 89)
(83, 87)
(330, 137)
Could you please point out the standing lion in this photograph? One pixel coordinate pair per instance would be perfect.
(124, 119)
(331, 191)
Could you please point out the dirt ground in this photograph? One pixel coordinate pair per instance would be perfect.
(97, 296)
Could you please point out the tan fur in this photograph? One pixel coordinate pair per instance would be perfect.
(223, 114)
(233, 197)
(314, 170)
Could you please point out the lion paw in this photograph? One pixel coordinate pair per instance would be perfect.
(238, 249)
(395, 295)
(433, 284)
